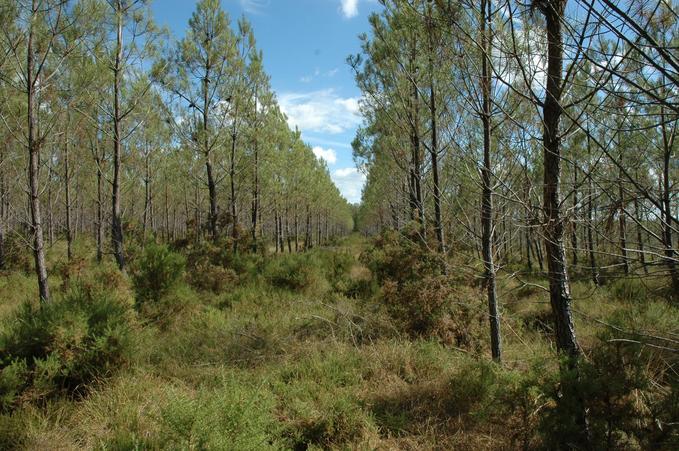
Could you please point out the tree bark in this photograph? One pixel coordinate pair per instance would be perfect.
(100, 211)
(67, 192)
(116, 220)
(590, 216)
(434, 150)
(559, 287)
(574, 222)
(34, 163)
(487, 194)
(666, 213)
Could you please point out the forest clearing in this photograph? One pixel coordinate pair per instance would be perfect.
(466, 237)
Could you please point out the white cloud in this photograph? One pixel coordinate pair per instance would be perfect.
(350, 182)
(254, 6)
(349, 8)
(328, 155)
(320, 111)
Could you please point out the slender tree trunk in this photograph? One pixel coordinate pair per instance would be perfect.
(34, 163)
(3, 212)
(307, 236)
(100, 211)
(559, 287)
(434, 150)
(296, 230)
(622, 222)
(232, 179)
(487, 194)
(666, 214)
(287, 230)
(116, 220)
(275, 221)
(211, 184)
(67, 193)
(529, 230)
(50, 209)
(167, 235)
(590, 216)
(640, 239)
(574, 222)
(255, 195)
(147, 195)
(281, 238)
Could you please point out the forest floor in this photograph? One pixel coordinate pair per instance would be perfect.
(313, 360)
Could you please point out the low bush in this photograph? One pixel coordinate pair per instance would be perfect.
(65, 346)
(17, 253)
(401, 258)
(235, 415)
(629, 290)
(208, 277)
(417, 293)
(156, 272)
(297, 272)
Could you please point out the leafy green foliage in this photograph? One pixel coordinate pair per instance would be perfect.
(295, 272)
(157, 271)
(64, 347)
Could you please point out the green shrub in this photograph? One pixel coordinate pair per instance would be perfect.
(397, 257)
(629, 290)
(338, 422)
(65, 346)
(417, 294)
(157, 271)
(295, 272)
(17, 253)
(604, 388)
(235, 415)
(208, 277)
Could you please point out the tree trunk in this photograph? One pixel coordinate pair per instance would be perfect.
(211, 184)
(307, 235)
(34, 164)
(559, 287)
(590, 216)
(3, 213)
(50, 209)
(147, 196)
(116, 220)
(166, 233)
(288, 236)
(434, 150)
(574, 222)
(666, 213)
(67, 192)
(255, 196)
(640, 239)
(487, 194)
(623, 226)
(232, 179)
(100, 211)
(296, 230)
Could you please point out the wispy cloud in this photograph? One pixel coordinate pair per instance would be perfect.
(328, 155)
(317, 73)
(254, 6)
(320, 111)
(350, 182)
(350, 8)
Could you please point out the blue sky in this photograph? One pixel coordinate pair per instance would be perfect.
(305, 45)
